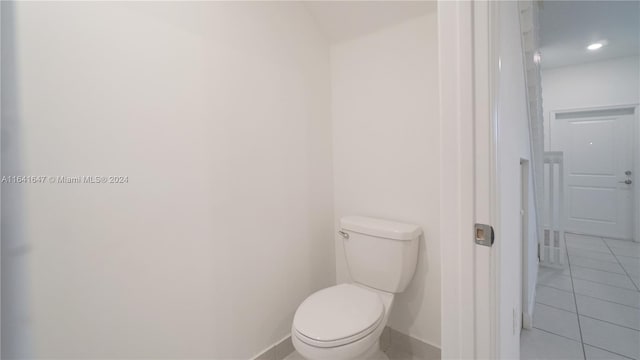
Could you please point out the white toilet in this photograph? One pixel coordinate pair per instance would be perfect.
(345, 321)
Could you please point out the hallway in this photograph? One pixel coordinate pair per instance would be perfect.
(591, 309)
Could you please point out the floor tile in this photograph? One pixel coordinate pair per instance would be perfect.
(631, 265)
(596, 264)
(605, 292)
(595, 353)
(555, 279)
(608, 311)
(599, 249)
(394, 354)
(586, 242)
(537, 344)
(556, 321)
(603, 277)
(294, 356)
(622, 243)
(602, 256)
(556, 298)
(610, 337)
(585, 239)
(619, 251)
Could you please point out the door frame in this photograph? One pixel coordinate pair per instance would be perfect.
(525, 185)
(636, 151)
(469, 68)
(636, 188)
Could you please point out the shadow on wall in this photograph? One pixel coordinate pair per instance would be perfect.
(14, 249)
(407, 304)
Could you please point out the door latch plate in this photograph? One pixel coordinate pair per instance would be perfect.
(483, 234)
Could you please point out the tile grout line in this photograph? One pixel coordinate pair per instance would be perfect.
(595, 282)
(555, 288)
(555, 307)
(613, 352)
(609, 301)
(552, 333)
(607, 271)
(589, 296)
(623, 269)
(572, 277)
(628, 257)
(594, 258)
(593, 249)
(575, 300)
(604, 283)
(608, 284)
(609, 322)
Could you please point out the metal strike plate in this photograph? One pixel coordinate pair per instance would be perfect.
(483, 234)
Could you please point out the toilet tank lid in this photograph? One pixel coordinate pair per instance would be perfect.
(380, 228)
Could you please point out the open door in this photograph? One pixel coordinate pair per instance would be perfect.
(469, 67)
(485, 134)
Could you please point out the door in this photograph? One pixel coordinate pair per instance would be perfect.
(466, 68)
(598, 155)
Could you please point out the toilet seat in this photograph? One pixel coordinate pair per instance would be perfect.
(338, 315)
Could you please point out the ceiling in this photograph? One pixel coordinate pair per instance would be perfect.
(567, 27)
(344, 20)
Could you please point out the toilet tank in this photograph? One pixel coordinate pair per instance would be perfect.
(381, 254)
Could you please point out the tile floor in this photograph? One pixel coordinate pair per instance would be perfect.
(591, 309)
(391, 353)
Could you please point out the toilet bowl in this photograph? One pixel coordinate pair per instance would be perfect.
(345, 321)
(341, 322)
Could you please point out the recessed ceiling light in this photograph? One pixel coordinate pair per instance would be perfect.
(594, 46)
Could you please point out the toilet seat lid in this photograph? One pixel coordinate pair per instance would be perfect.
(339, 312)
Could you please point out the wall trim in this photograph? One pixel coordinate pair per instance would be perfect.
(393, 341)
(278, 351)
(527, 314)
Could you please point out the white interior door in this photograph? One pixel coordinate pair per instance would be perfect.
(598, 154)
(468, 290)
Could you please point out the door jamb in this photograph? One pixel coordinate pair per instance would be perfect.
(455, 49)
(636, 170)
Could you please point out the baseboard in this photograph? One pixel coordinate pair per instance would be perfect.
(527, 314)
(394, 341)
(527, 320)
(277, 351)
(390, 341)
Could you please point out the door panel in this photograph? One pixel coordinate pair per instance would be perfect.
(581, 200)
(598, 149)
(591, 147)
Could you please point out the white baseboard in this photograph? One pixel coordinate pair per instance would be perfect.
(527, 314)
(277, 351)
(395, 341)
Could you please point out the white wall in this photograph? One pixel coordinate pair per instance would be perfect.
(386, 151)
(513, 145)
(219, 115)
(596, 84)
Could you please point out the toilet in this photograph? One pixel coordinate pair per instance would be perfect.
(345, 321)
